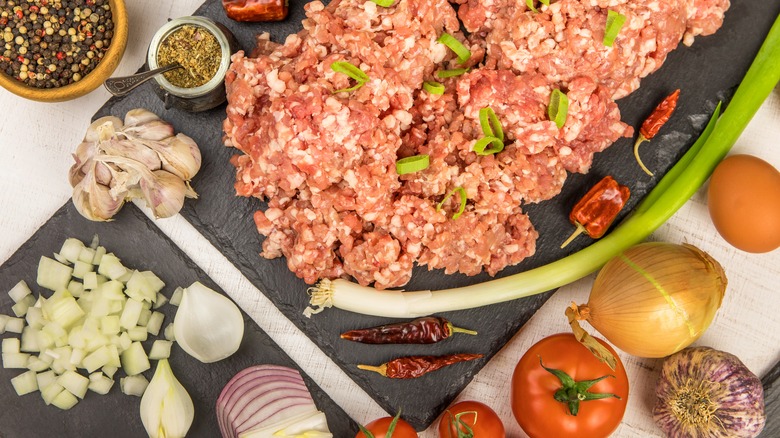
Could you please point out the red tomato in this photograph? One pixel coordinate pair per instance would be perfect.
(378, 429)
(483, 421)
(533, 390)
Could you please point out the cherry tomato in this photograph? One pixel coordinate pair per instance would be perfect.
(378, 429)
(534, 389)
(483, 421)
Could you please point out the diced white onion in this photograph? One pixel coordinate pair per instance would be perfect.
(133, 385)
(160, 350)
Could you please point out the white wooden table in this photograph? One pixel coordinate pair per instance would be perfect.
(36, 142)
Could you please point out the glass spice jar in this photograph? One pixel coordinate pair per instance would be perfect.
(194, 98)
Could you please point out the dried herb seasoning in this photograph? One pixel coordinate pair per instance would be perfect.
(198, 52)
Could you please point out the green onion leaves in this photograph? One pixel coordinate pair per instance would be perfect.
(491, 127)
(456, 46)
(615, 22)
(462, 194)
(558, 108)
(384, 3)
(531, 6)
(412, 164)
(444, 74)
(433, 87)
(481, 146)
(353, 72)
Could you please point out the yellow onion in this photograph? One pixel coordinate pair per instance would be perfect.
(654, 299)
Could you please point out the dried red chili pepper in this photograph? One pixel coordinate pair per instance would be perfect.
(256, 10)
(410, 367)
(596, 211)
(427, 330)
(654, 123)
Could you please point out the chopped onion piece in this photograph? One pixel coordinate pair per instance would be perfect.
(134, 360)
(15, 360)
(81, 268)
(14, 325)
(160, 350)
(176, 297)
(155, 323)
(109, 325)
(52, 274)
(71, 249)
(160, 301)
(143, 319)
(50, 392)
(86, 255)
(109, 371)
(99, 383)
(110, 266)
(64, 400)
(45, 379)
(20, 308)
(25, 383)
(96, 359)
(30, 340)
(34, 363)
(19, 291)
(130, 314)
(169, 333)
(74, 383)
(11, 345)
(3, 322)
(76, 288)
(133, 385)
(138, 333)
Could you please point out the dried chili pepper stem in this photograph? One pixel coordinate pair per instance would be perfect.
(654, 123)
(596, 211)
(426, 330)
(410, 367)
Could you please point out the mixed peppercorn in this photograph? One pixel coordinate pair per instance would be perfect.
(52, 43)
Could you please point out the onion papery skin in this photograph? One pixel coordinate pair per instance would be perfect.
(703, 392)
(656, 298)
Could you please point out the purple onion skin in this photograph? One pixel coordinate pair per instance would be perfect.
(703, 392)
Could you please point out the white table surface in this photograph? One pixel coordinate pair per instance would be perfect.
(37, 139)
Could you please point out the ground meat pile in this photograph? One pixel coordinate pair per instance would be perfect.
(325, 161)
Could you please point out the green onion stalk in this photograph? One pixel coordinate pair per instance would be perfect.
(674, 190)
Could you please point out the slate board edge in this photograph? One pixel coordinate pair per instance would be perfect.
(315, 389)
(771, 383)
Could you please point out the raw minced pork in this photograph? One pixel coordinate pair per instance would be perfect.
(325, 161)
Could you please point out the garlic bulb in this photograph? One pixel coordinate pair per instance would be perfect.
(703, 392)
(208, 325)
(142, 158)
(166, 407)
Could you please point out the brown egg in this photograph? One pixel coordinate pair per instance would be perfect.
(744, 203)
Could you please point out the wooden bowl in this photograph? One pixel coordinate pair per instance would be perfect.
(93, 79)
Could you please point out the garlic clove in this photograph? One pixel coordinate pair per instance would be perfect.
(128, 149)
(95, 201)
(103, 174)
(164, 193)
(140, 123)
(102, 127)
(180, 155)
(208, 325)
(82, 157)
(167, 410)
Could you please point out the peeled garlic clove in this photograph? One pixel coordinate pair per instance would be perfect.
(103, 128)
(208, 325)
(164, 193)
(167, 410)
(180, 156)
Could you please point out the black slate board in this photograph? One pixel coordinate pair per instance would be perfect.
(139, 245)
(771, 382)
(707, 72)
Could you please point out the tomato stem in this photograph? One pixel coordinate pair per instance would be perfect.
(463, 429)
(572, 392)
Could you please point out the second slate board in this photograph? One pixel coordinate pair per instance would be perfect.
(139, 245)
(707, 72)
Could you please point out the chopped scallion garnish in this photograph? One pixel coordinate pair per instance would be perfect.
(615, 21)
(353, 72)
(558, 108)
(496, 146)
(412, 164)
(384, 3)
(462, 193)
(491, 127)
(464, 54)
(443, 74)
(433, 87)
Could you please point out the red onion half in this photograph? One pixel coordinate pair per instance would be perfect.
(263, 396)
